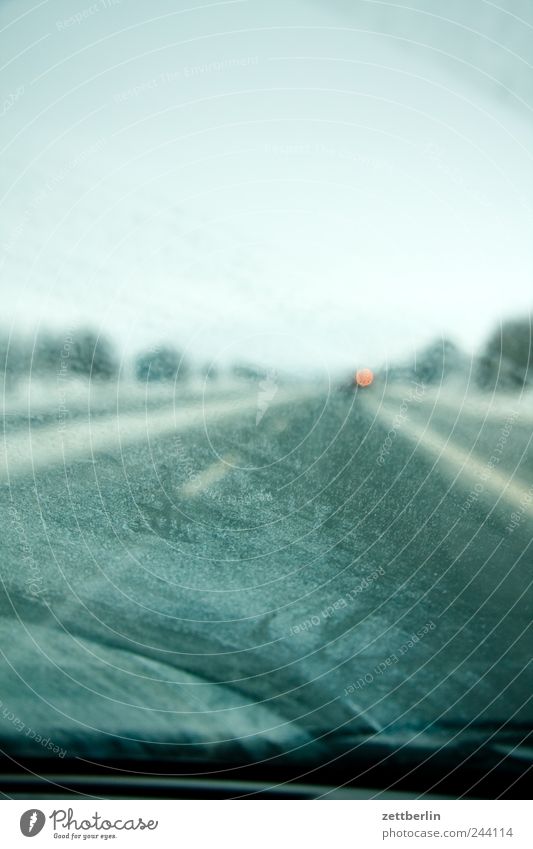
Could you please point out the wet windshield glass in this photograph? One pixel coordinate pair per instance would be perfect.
(266, 377)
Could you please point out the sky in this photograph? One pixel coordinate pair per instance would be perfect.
(309, 185)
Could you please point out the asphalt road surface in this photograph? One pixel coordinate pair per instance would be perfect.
(260, 566)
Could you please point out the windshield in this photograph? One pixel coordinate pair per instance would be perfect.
(266, 379)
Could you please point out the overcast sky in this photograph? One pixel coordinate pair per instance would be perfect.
(302, 183)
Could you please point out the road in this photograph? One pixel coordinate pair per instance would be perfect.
(257, 566)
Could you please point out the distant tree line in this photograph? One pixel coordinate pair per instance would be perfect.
(82, 353)
(86, 354)
(161, 363)
(506, 360)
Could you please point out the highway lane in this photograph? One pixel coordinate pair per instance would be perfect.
(336, 584)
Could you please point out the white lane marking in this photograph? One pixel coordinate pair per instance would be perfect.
(209, 476)
(52, 445)
(516, 493)
(476, 405)
(41, 397)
